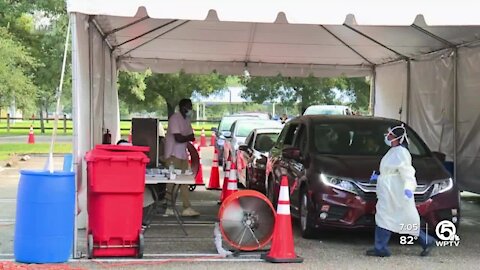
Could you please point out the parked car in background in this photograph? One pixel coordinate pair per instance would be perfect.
(224, 129)
(329, 160)
(328, 110)
(239, 132)
(253, 155)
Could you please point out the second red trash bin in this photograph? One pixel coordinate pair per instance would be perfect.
(116, 182)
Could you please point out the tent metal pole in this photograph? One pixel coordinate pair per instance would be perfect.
(455, 113)
(346, 45)
(102, 34)
(250, 42)
(373, 90)
(125, 26)
(430, 34)
(375, 41)
(146, 42)
(409, 89)
(144, 34)
(73, 19)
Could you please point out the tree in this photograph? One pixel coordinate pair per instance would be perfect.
(15, 80)
(290, 90)
(174, 87)
(306, 91)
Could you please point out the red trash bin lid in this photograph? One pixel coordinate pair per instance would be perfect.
(122, 148)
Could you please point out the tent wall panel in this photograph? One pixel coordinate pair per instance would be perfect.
(81, 108)
(431, 102)
(391, 90)
(468, 119)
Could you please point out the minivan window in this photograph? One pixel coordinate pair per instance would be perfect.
(359, 138)
(245, 127)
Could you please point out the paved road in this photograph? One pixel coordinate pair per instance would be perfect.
(165, 243)
(38, 138)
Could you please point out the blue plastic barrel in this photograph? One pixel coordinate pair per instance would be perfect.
(45, 217)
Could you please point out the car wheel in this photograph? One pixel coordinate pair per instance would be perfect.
(271, 192)
(247, 180)
(306, 227)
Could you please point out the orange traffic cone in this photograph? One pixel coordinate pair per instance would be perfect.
(130, 136)
(203, 139)
(282, 249)
(226, 175)
(199, 176)
(213, 138)
(31, 136)
(232, 184)
(214, 182)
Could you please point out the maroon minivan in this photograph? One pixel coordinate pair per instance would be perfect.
(329, 161)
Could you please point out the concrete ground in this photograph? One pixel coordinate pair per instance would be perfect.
(166, 244)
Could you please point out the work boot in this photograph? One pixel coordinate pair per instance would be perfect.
(189, 212)
(376, 253)
(426, 250)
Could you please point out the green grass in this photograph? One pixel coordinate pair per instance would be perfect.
(124, 125)
(39, 148)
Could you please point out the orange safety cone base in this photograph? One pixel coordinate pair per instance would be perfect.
(286, 260)
(31, 136)
(282, 249)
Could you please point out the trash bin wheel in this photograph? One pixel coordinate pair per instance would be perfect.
(192, 187)
(141, 245)
(90, 246)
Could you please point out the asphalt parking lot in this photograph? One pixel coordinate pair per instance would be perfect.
(167, 247)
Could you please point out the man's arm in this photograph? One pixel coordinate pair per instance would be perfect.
(182, 139)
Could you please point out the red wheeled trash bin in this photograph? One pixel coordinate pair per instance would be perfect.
(116, 181)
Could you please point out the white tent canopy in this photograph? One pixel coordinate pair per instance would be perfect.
(422, 55)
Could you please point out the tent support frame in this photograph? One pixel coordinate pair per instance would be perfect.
(347, 45)
(432, 35)
(148, 41)
(144, 34)
(125, 26)
(455, 113)
(375, 41)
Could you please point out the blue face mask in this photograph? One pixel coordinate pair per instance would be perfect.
(189, 113)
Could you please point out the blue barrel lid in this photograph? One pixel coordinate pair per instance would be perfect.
(46, 173)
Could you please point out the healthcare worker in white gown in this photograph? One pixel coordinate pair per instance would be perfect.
(395, 210)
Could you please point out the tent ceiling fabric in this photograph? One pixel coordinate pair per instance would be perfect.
(295, 38)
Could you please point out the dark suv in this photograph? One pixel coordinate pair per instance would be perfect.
(329, 161)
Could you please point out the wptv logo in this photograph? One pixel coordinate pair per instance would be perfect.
(447, 234)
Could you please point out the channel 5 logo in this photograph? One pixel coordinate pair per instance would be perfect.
(447, 234)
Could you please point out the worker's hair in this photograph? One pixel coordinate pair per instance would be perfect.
(398, 132)
(184, 102)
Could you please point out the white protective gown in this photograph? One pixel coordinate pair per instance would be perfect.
(394, 211)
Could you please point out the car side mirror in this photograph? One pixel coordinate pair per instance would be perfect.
(227, 134)
(291, 153)
(440, 156)
(243, 147)
(214, 129)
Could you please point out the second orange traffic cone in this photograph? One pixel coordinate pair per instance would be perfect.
(199, 176)
(203, 139)
(232, 183)
(130, 136)
(31, 136)
(214, 182)
(282, 249)
(226, 175)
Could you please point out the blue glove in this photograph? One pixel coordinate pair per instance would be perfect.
(408, 193)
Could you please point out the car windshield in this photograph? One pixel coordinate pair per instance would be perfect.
(227, 122)
(245, 127)
(325, 111)
(359, 138)
(265, 141)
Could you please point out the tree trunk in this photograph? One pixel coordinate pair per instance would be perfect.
(42, 124)
(46, 111)
(170, 109)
